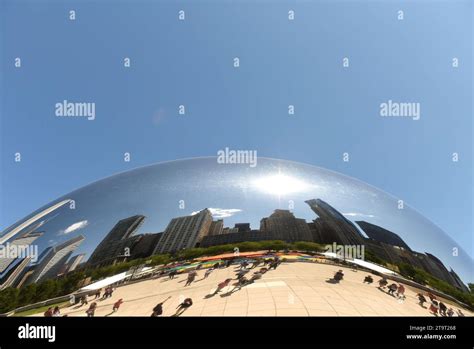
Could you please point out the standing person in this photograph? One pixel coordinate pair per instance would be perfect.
(191, 276)
(49, 312)
(183, 306)
(442, 308)
(434, 307)
(56, 312)
(401, 291)
(97, 293)
(208, 272)
(368, 279)
(421, 299)
(158, 309)
(431, 296)
(382, 283)
(339, 275)
(392, 288)
(84, 300)
(117, 305)
(172, 274)
(450, 312)
(221, 285)
(106, 293)
(91, 311)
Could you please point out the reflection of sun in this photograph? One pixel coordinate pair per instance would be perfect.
(279, 184)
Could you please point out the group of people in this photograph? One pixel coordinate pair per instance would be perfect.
(436, 307)
(243, 268)
(393, 289)
(52, 312)
(90, 312)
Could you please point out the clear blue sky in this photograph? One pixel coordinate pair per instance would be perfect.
(282, 63)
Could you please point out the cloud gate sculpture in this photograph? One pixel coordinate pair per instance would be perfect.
(175, 222)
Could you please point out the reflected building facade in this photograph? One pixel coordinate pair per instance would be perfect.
(56, 257)
(118, 242)
(332, 226)
(185, 232)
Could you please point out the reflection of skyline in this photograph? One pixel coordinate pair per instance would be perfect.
(328, 227)
(156, 192)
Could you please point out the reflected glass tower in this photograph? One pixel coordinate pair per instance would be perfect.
(55, 259)
(117, 240)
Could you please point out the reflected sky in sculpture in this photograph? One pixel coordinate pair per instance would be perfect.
(238, 194)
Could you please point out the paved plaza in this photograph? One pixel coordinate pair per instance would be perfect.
(293, 289)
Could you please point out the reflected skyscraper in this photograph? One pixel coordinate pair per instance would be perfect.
(332, 226)
(54, 260)
(10, 232)
(283, 225)
(119, 238)
(185, 232)
(380, 234)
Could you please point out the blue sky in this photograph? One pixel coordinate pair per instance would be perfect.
(282, 62)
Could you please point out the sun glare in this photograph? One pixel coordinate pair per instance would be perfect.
(279, 184)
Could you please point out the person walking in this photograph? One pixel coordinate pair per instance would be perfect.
(49, 312)
(191, 276)
(158, 309)
(91, 311)
(208, 272)
(187, 303)
(172, 274)
(117, 305)
(97, 293)
(241, 273)
(221, 285)
(241, 283)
